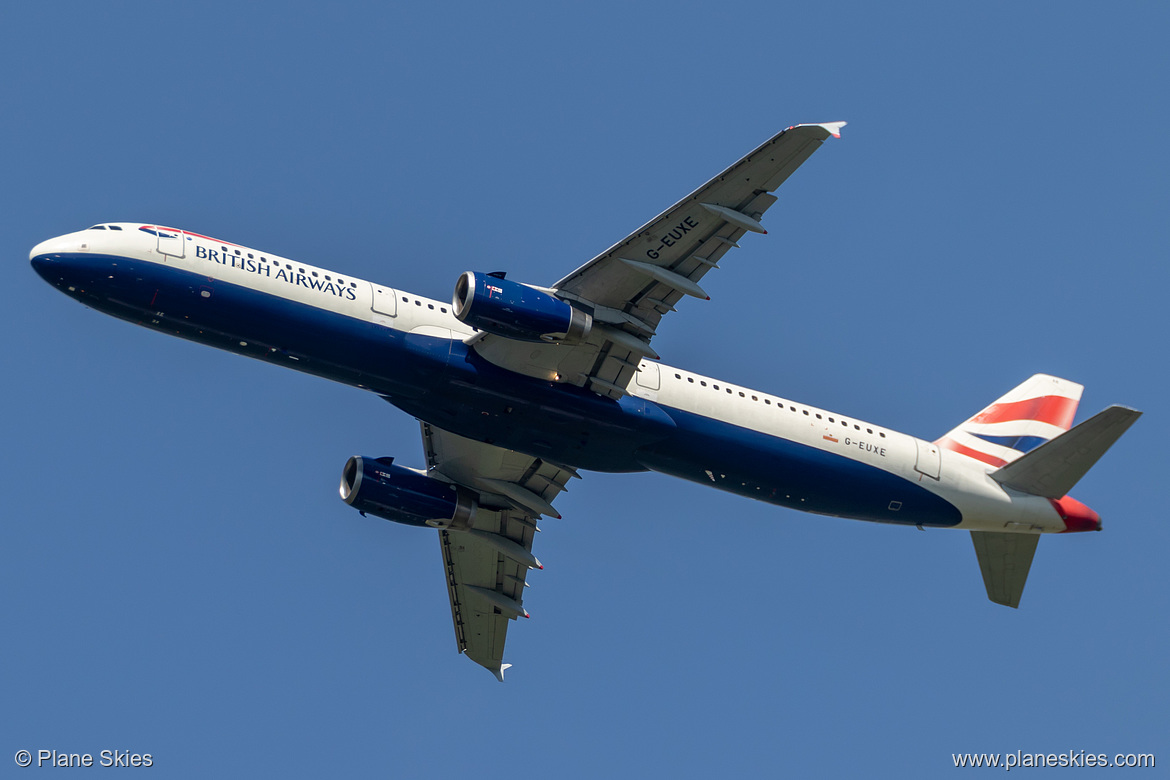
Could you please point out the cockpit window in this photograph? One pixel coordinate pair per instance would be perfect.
(98, 227)
(114, 227)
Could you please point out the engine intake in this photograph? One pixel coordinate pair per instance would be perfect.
(517, 311)
(377, 487)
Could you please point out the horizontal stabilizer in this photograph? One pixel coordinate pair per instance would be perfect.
(1054, 467)
(1004, 560)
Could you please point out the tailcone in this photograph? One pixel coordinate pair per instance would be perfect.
(1076, 516)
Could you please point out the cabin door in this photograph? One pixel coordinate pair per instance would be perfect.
(170, 242)
(929, 459)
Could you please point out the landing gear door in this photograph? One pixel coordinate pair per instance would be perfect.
(929, 461)
(170, 242)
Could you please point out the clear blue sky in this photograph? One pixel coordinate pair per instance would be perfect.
(179, 577)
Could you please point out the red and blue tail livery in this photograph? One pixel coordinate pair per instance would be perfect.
(519, 388)
(1036, 412)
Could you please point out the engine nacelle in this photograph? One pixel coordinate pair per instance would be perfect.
(375, 486)
(517, 311)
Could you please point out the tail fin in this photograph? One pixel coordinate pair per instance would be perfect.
(1033, 413)
(1026, 437)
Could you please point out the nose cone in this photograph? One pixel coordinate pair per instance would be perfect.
(1076, 516)
(47, 255)
(40, 258)
(53, 245)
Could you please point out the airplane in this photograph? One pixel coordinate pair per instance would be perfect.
(518, 388)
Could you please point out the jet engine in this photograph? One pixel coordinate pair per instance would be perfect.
(377, 487)
(517, 311)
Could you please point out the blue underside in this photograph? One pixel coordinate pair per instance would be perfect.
(447, 384)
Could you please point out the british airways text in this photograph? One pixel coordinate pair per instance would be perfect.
(271, 271)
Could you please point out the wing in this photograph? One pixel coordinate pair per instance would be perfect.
(630, 286)
(486, 566)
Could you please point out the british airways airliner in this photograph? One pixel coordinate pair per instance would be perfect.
(518, 388)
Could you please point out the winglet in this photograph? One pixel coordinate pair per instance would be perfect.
(499, 671)
(834, 128)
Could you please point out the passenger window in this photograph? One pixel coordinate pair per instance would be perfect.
(819, 417)
(704, 384)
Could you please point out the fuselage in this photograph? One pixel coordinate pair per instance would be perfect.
(411, 350)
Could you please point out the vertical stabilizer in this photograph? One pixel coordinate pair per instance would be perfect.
(1033, 413)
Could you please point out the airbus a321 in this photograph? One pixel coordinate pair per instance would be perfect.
(519, 388)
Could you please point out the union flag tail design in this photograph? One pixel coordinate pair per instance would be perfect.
(1037, 411)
